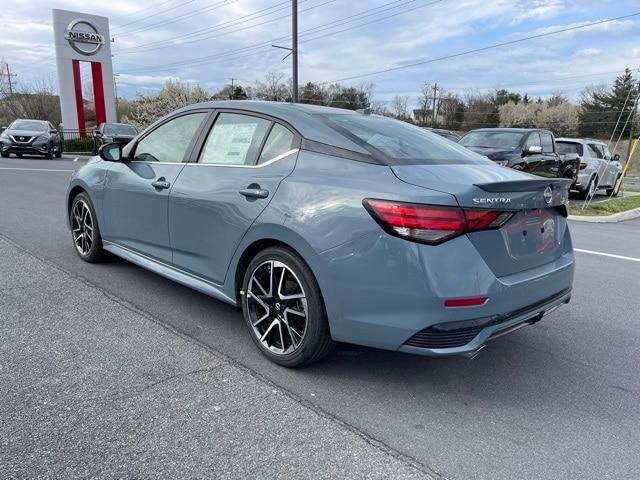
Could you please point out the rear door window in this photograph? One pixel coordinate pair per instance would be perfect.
(547, 142)
(596, 150)
(234, 139)
(279, 141)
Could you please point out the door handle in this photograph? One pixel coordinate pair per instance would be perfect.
(254, 192)
(161, 184)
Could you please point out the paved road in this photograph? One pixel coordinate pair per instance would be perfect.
(557, 400)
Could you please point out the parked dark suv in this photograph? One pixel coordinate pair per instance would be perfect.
(121, 133)
(31, 137)
(531, 150)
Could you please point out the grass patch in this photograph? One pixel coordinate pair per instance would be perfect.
(616, 205)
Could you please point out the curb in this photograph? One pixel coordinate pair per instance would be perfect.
(616, 217)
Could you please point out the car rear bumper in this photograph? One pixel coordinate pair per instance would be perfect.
(455, 338)
(391, 292)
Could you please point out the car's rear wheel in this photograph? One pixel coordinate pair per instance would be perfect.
(612, 191)
(590, 191)
(84, 229)
(4, 154)
(284, 310)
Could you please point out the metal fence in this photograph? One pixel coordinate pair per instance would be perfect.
(73, 141)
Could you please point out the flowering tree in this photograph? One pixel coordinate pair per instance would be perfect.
(151, 107)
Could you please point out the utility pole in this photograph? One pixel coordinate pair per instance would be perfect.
(294, 48)
(435, 92)
(115, 91)
(9, 75)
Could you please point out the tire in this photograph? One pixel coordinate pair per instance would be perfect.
(91, 249)
(611, 191)
(280, 327)
(49, 154)
(592, 183)
(4, 154)
(58, 153)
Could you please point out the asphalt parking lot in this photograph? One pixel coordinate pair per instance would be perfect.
(112, 371)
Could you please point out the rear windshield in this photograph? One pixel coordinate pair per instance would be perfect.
(570, 147)
(120, 130)
(493, 139)
(401, 143)
(29, 125)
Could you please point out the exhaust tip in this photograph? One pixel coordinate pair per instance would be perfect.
(474, 354)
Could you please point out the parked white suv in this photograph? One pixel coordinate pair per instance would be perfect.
(597, 166)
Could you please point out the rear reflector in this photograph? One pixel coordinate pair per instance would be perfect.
(432, 224)
(465, 302)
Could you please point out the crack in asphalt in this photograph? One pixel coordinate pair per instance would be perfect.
(378, 444)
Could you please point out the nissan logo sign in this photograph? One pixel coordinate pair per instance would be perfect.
(83, 37)
(548, 195)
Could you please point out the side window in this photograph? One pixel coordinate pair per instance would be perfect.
(533, 140)
(547, 143)
(234, 139)
(169, 142)
(279, 141)
(595, 151)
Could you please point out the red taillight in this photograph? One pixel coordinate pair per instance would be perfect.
(465, 302)
(432, 224)
(582, 164)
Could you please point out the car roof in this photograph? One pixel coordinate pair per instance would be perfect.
(579, 140)
(303, 118)
(509, 129)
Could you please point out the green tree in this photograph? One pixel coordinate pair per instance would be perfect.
(601, 107)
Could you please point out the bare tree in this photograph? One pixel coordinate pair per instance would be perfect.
(399, 107)
(37, 101)
(273, 88)
(425, 104)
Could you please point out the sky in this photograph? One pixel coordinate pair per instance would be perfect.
(210, 41)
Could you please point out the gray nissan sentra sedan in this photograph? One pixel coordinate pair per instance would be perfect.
(329, 225)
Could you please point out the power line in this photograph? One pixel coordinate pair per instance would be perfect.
(179, 18)
(219, 26)
(482, 49)
(154, 14)
(258, 46)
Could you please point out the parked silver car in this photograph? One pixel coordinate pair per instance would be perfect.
(598, 168)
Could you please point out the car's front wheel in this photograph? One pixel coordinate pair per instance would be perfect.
(284, 310)
(49, 154)
(84, 229)
(4, 154)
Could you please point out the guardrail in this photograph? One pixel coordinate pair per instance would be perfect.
(75, 141)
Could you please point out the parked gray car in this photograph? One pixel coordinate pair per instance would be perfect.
(597, 166)
(329, 225)
(30, 137)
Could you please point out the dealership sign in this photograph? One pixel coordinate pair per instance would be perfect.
(83, 37)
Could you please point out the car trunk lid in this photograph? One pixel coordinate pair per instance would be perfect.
(532, 237)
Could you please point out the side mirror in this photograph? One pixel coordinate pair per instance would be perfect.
(616, 158)
(532, 150)
(111, 152)
(54, 132)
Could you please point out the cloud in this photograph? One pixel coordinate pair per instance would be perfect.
(401, 34)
